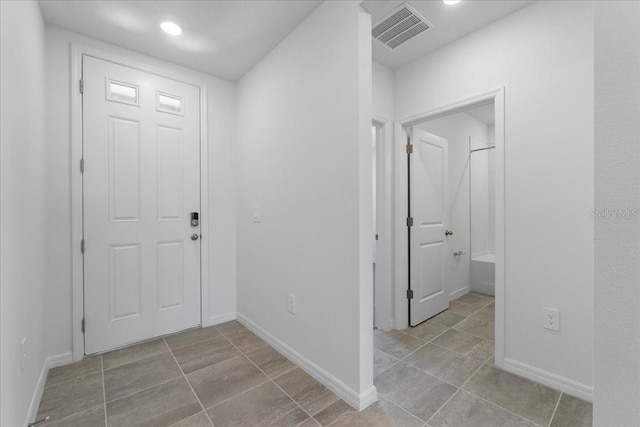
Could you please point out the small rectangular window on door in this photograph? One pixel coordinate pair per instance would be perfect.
(124, 93)
(169, 103)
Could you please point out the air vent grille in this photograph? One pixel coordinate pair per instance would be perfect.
(401, 25)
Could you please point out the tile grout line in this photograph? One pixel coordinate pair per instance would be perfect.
(488, 401)
(399, 407)
(474, 373)
(188, 383)
(271, 379)
(459, 389)
(104, 393)
(555, 409)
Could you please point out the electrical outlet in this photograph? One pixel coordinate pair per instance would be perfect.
(551, 318)
(23, 353)
(291, 303)
(256, 214)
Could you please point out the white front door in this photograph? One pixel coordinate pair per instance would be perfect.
(429, 208)
(141, 182)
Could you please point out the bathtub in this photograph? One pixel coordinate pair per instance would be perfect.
(483, 274)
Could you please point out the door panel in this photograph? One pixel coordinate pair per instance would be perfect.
(141, 151)
(428, 175)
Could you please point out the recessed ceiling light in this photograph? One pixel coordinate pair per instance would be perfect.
(171, 28)
(450, 2)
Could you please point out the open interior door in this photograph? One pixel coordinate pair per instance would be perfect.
(428, 221)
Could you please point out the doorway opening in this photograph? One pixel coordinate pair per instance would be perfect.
(449, 173)
(451, 218)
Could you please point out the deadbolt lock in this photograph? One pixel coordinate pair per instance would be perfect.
(448, 233)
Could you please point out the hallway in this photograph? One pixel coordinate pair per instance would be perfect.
(440, 371)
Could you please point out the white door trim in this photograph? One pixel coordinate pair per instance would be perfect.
(384, 218)
(77, 305)
(401, 271)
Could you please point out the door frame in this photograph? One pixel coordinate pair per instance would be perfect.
(384, 291)
(497, 96)
(77, 268)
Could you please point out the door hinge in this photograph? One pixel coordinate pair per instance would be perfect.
(82, 325)
(81, 86)
(376, 237)
(82, 245)
(81, 165)
(409, 293)
(409, 222)
(409, 148)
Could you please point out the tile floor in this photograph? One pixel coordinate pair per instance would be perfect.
(437, 374)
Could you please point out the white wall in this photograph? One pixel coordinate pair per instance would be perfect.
(222, 202)
(383, 101)
(304, 144)
(457, 128)
(543, 56)
(24, 225)
(617, 240)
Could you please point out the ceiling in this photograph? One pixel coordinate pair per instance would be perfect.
(226, 38)
(222, 38)
(449, 23)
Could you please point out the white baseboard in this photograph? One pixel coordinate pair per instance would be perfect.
(459, 293)
(49, 363)
(216, 320)
(547, 378)
(359, 401)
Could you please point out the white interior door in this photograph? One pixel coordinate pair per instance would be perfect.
(429, 208)
(141, 182)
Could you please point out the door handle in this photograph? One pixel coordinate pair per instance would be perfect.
(194, 236)
(448, 233)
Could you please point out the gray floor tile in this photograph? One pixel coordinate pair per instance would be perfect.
(193, 336)
(462, 308)
(573, 412)
(488, 314)
(524, 397)
(413, 390)
(133, 377)
(447, 318)
(86, 366)
(381, 361)
(432, 359)
(304, 389)
(478, 301)
(202, 354)
(309, 422)
(477, 327)
(383, 413)
(246, 341)
(76, 395)
(93, 417)
(460, 371)
(230, 327)
(396, 343)
(426, 330)
(265, 405)
(465, 409)
(134, 353)
(159, 406)
(272, 363)
(197, 420)
(224, 380)
(466, 344)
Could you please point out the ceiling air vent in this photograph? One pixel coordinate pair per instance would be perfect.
(399, 26)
